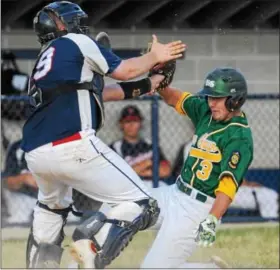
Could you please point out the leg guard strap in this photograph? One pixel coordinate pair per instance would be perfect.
(89, 228)
(63, 212)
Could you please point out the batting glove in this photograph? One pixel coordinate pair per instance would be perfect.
(206, 233)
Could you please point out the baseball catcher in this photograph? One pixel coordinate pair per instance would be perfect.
(60, 139)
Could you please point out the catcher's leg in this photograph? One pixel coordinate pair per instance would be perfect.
(49, 217)
(45, 238)
(101, 238)
(101, 174)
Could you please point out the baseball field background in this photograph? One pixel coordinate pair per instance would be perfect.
(241, 246)
(239, 34)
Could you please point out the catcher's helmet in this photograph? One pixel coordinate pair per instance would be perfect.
(226, 82)
(59, 18)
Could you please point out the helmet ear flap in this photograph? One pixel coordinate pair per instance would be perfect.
(234, 103)
(229, 104)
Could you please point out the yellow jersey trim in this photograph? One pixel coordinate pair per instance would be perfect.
(227, 186)
(229, 173)
(222, 129)
(193, 176)
(180, 103)
(198, 153)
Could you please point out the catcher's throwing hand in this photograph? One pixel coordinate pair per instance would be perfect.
(166, 52)
(206, 233)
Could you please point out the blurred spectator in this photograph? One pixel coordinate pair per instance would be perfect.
(180, 158)
(254, 196)
(13, 81)
(19, 191)
(250, 196)
(4, 139)
(136, 151)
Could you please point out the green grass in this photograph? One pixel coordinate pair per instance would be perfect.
(241, 248)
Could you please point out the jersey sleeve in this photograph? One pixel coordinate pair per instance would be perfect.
(192, 106)
(98, 57)
(113, 61)
(237, 157)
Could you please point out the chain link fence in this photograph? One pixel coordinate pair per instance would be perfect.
(256, 200)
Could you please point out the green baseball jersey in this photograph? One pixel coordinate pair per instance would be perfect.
(218, 148)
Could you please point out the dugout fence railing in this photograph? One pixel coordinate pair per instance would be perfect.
(167, 130)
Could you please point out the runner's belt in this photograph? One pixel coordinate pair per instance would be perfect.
(188, 190)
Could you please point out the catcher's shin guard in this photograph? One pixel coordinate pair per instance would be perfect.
(109, 235)
(48, 256)
(43, 255)
(42, 251)
(122, 232)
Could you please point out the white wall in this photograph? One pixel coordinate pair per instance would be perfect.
(256, 54)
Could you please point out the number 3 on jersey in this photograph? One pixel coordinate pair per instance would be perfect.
(206, 169)
(44, 64)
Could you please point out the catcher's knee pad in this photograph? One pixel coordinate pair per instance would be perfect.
(112, 233)
(43, 252)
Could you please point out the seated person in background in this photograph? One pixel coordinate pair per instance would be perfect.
(136, 151)
(180, 158)
(19, 191)
(250, 196)
(19, 188)
(13, 81)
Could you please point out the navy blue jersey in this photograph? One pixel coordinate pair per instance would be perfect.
(73, 58)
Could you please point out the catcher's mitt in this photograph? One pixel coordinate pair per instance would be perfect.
(167, 70)
(103, 39)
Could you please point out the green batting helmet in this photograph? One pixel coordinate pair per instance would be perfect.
(226, 82)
